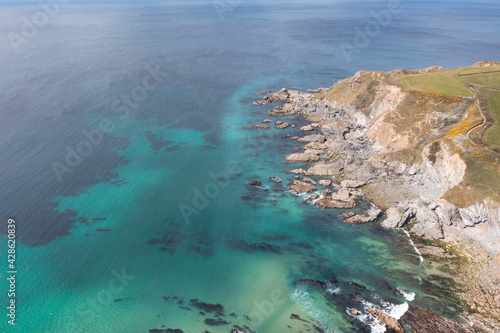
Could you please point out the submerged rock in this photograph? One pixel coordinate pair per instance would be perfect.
(215, 322)
(207, 307)
(316, 283)
(255, 183)
(238, 330)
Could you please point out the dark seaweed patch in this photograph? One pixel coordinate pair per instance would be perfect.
(202, 250)
(215, 322)
(207, 307)
(242, 245)
(174, 147)
(119, 182)
(302, 245)
(157, 144)
(276, 237)
(316, 283)
(169, 241)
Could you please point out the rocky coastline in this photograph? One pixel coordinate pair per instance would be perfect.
(347, 147)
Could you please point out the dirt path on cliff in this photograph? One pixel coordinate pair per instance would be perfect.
(480, 97)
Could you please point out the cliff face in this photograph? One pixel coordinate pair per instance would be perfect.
(427, 136)
(443, 166)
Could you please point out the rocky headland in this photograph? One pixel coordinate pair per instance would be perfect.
(415, 143)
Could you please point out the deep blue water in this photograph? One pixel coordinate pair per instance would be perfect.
(120, 206)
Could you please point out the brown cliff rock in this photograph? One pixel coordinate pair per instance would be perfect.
(425, 321)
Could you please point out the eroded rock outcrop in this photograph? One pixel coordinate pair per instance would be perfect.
(363, 218)
(343, 198)
(307, 128)
(283, 125)
(298, 187)
(486, 289)
(302, 157)
(390, 322)
(311, 198)
(323, 168)
(352, 183)
(324, 182)
(260, 127)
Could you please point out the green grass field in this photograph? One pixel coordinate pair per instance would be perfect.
(450, 82)
(442, 82)
(487, 79)
(492, 135)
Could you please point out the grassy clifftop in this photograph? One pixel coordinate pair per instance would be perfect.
(410, 110)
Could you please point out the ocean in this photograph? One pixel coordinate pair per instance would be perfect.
(126, 157)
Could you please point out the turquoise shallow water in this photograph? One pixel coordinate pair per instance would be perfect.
(126, 242)
(208, 256)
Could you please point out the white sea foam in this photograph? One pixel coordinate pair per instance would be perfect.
(308, 304)
(332, 289)
(366, 318)
(408, 295)
(313, 202)
(394, 310)
(414, 247)
(375, 326)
